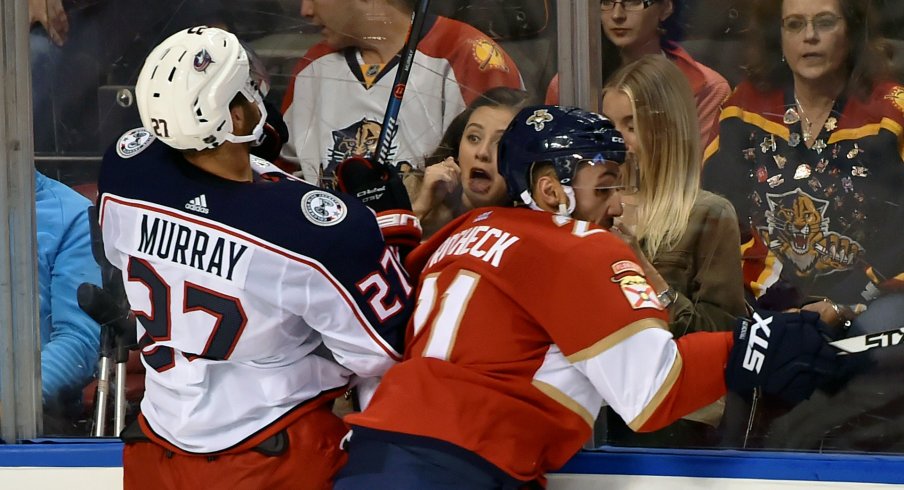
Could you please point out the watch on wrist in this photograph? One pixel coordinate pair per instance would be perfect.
(667, 297)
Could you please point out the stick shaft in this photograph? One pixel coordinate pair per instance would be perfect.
(390, 118)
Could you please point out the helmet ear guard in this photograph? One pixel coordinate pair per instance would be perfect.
(564, 137)
(187, 84)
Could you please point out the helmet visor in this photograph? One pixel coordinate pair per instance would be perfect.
(626, 182)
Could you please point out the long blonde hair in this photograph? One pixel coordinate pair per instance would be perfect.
(668, 153)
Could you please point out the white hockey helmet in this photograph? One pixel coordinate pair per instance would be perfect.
(186, 84)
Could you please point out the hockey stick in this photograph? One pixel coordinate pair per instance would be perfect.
(862, 343)
(390, 119)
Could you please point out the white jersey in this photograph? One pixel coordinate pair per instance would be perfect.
(234, 293)
(334, 108)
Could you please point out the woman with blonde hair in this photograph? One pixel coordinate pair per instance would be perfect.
(687, 239)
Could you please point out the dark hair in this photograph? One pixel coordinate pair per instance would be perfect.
(671, 33)
(507, 97)
(869, 59)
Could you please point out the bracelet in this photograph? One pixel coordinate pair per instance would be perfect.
(844, 321)
(834, 306)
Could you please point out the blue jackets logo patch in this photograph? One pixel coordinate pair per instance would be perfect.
(323, 208)
(133, 142)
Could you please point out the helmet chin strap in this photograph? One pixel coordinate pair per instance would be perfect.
(257, 135)
(565, 210)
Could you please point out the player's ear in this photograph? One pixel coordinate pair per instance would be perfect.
(239, 117)
(548, 193)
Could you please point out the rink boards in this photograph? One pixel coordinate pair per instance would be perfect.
(95, 465)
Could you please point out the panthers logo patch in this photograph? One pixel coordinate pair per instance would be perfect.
(133, 142)
(323, 208)
(539, 119)
(897, 97)
(488, 55)
(798, 233)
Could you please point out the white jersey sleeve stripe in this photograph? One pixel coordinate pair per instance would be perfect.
(566, 401)
(617, 337)
(660, 395)
(634, 375)
(558, 379)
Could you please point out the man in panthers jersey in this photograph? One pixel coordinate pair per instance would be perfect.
(529, 319)
(259, 297)
(336, 100)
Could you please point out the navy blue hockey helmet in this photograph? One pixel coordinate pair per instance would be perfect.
(562, 136)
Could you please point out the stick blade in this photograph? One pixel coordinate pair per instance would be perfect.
(862, 343)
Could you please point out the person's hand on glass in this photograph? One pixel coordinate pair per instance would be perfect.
(52, 16)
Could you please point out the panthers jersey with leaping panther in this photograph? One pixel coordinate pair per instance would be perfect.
(821, 220)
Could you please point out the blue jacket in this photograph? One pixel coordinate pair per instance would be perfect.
(69, 337)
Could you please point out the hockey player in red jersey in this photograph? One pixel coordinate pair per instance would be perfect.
(529, 319)
(259, 297)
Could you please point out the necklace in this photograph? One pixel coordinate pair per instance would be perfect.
(807, 131)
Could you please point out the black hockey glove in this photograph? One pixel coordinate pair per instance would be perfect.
(380, 188)
(785, 354)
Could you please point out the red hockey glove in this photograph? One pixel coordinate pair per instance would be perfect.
(785, 354)
(380, 188)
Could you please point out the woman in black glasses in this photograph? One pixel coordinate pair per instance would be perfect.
(634, 28)
(811, 154)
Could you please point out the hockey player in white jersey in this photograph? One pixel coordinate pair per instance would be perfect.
(239, 275)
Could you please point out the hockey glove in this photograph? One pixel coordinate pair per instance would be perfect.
(784, 354)
(380, 188)
(276, 133)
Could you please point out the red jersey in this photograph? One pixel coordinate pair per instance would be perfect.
(526, 324)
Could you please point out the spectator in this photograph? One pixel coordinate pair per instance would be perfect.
(461, 174)
(634, 28)
(250, 323)
(70, 339)
(685, 238)
(335, 104)
(809, 154)
(51, 15)
(543, 318)
(808, 158)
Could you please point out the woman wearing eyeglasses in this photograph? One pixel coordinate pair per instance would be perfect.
(634, 28)
(810, 154)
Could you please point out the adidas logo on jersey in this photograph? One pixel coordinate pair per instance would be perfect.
(198, 204)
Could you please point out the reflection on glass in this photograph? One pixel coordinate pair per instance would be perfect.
(332, 77)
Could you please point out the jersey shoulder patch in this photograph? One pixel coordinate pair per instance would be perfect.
(133, 142)
(323, 208)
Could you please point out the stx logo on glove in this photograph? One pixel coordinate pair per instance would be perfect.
(759, 337)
